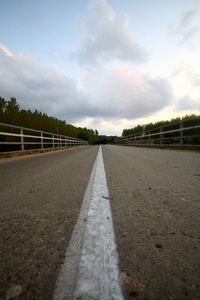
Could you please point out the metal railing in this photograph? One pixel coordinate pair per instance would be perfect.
(162, 134)
(26, 138)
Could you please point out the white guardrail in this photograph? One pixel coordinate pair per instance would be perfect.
(40, 139)
(161, 134)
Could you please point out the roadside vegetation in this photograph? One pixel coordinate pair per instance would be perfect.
(10, 113)
(193, 135)
(147, 127)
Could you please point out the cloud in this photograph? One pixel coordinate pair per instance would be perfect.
(178, 67)
(187, 103)
(6, 50)
(107, 37)
(186, 31)
(41, 87)
(195, 79)
(109, 94)
(120, 93)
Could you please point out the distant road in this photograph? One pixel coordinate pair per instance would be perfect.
(155, 200)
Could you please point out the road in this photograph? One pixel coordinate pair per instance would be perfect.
(41, 197)
(155, 207)
(154, 197)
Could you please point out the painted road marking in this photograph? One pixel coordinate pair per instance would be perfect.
(92, 261)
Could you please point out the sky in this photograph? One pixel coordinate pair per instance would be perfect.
(102, 64)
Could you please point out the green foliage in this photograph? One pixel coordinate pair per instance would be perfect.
(103, 139)
(2, 108)
(134, 130)
(10, 113)
(151, 126)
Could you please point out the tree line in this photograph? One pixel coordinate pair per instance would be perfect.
(173, 124)
(150, 126)
(10, 113)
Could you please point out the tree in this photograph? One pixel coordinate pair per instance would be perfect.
(2, 109)
(10, 113)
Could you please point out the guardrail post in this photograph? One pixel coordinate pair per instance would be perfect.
(42, 145)
(134, 139)
(161, 136)
(149, 138)
(53, 140)
(22, 139)
(181, 133)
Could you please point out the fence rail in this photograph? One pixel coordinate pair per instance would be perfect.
(24, 137)
(162, 135)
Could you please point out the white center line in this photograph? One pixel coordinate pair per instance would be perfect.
(97, 270)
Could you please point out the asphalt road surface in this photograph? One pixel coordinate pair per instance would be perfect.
(41, 196)
(155, 207)
(154, 196)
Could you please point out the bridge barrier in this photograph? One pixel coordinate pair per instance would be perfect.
(22, 138)
(181, 134)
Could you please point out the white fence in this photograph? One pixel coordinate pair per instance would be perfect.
(16, 135)
(181, 134)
